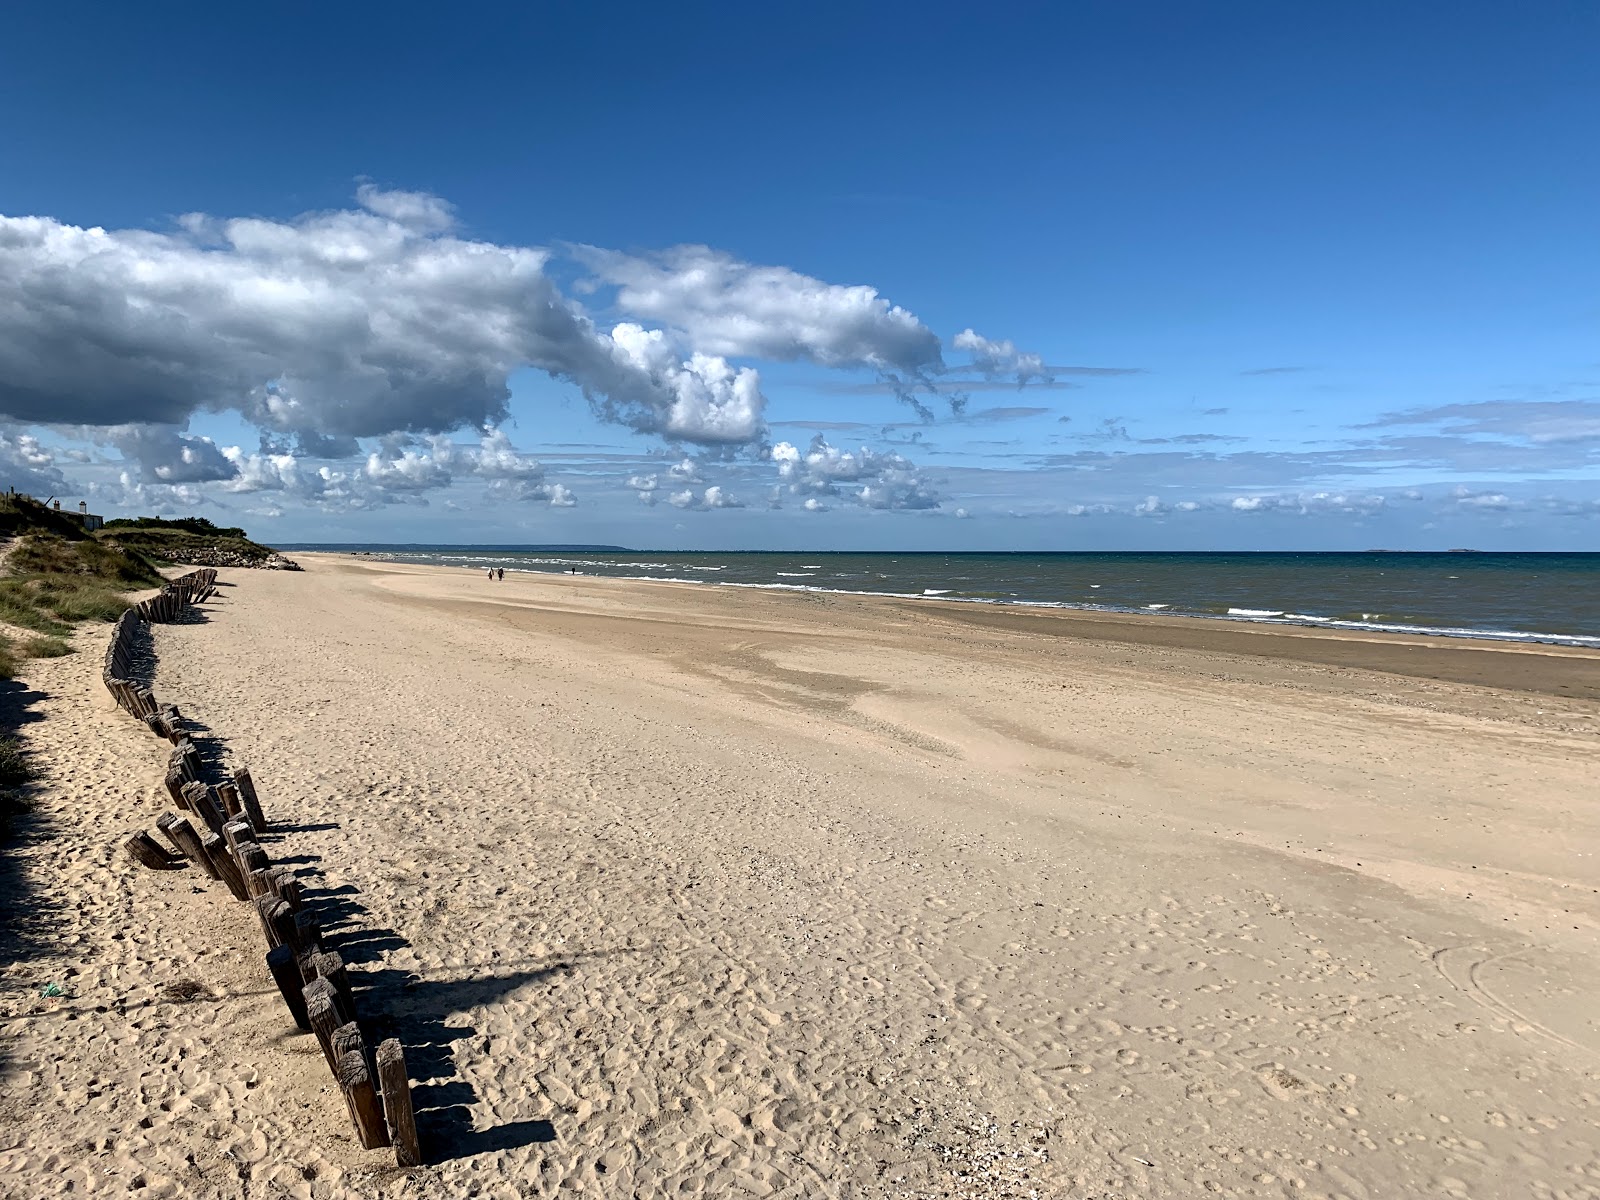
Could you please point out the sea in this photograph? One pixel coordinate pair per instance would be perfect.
(1545, 597)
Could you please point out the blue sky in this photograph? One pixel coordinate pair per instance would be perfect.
(923, 276)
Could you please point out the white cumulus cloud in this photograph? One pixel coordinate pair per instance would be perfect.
(997, 360)
(867, 477)
(345, 324)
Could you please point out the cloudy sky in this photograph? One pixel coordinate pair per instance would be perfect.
(920, 276)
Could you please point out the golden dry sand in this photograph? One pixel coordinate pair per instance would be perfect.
(681, 891)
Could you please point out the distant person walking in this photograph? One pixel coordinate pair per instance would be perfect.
(501, 573)
(491, 574)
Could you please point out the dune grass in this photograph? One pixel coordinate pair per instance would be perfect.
(55, 583)
(45, 647)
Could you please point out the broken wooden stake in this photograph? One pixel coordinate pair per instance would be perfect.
(174, 782)
(205, 806)
(283, 885)
(277, 920)
(182, 835)
(142, 848)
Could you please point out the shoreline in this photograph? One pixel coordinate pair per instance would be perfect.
(1273, 618)
(1559, 671)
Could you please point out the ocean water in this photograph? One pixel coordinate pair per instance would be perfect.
(1511, 597)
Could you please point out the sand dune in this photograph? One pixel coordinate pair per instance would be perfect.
(696, 891)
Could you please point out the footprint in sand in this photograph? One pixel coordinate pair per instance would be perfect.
(1285, 1084)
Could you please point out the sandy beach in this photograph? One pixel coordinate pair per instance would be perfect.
(677, 891)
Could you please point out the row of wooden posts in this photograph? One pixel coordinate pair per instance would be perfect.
(311, 978)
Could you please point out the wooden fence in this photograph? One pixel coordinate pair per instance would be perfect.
(223, 844)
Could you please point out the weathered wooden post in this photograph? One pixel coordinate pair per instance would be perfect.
(251, 858)
(143, 848)
(236, 831)
(355, 1081)
(231, 803)
(259, 885)
(282, 883)
(286, 974)
(181, 834)
(277, 921)
(306, 931)
(187, 757)
(199, 797)
(226, 866)
(397, 1111)
(247, 794)
(322, 1010)
(174, 781)
(331, 967)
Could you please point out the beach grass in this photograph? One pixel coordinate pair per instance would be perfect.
(54, 583)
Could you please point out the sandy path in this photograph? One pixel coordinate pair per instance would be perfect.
(680, 891)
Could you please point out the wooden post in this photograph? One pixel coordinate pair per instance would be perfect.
(282, 883)
(143, 848)
(307, 932)
(199, 797)
(226, 867)
(397, 1110)
(186, 756)
(347, 1038)
(229, 792)
(286, 974)
(251, 858)
(182, 835)
(322, 1012)
(355, 1081)
(237, 831)
(307, 960)
(247, 795)
(331, 967)
(277, 921)
(259, 885)
(261, 904)
(174, 782)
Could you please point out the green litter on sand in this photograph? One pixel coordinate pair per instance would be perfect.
(51, 990)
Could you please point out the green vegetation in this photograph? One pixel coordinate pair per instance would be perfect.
(53, 583)
(45, 647)
(56, 575)
(195, 525)
(182, 539)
